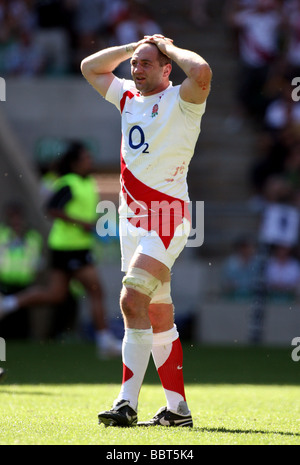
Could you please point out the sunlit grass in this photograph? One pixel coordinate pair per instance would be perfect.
(53, 392)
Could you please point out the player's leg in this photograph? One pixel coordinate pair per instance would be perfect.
(107, 344)
(168, 358)
(144, 276)
(167, 349)
(142, 279)
(52, 294)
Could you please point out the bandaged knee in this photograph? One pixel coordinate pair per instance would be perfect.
(142, 281)
(162, 295)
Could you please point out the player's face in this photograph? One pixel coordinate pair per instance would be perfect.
(84, 164)
(148, 75)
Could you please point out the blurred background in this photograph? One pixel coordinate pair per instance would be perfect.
(242, 285)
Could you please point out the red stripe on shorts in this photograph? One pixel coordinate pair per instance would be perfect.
(163, 212)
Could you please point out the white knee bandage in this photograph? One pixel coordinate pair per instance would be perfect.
(142, 281)
(162, 295)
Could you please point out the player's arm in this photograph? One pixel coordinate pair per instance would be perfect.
(196, 87)
(98, 68)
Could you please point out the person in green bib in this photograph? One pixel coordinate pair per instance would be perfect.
(20, 263)
(73, 210)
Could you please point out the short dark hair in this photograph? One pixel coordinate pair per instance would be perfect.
(162, 58)
(71, 156)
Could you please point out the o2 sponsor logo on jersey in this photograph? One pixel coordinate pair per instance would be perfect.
(136, 139)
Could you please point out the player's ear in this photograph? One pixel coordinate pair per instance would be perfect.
(167, 70)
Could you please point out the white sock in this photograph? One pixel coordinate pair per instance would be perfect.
(9, 304)
(137, 344)
(167, 356)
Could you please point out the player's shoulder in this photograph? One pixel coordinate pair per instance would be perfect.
(172, 94)
(123, 85)
(119, 90)
(65, 180)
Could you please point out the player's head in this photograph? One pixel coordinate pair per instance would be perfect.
(150, 69)
(76, 159)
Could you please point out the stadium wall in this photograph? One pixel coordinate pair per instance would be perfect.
(62, 108)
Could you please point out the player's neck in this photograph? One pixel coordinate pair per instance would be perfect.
(155, 91)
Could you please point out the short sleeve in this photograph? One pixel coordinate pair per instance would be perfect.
(114, 92)
(192, 108)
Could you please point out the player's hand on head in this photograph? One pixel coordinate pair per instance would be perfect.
(158, 39)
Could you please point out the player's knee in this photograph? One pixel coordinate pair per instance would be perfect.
(141, 281)
(139, 287)
(129, 305)
(163, 294)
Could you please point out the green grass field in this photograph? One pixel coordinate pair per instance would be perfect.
(238, 396)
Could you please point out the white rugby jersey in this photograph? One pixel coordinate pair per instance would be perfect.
(159, 134)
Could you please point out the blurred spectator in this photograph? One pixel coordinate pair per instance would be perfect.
(16, 17)
(263, 167)
(5, 30)
(24, 57)
(20, 262)
(282, 117)
(238, 269)
(283, 274)
(292, 168)
(51, 37)
(280, 134)
(258, 28)
(291, 11)
(91, 17)
(34, 29)
(52, 34)
(279, 215)
(93, 21)
(279, 226)
(21, 14)
(198, 12)
(134, 25)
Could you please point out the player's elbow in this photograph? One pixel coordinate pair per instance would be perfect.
(88, 69)
(203, 75)
(85, 67)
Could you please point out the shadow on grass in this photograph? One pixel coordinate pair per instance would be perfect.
(242, 431)
(25, 393)
(77, 363)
